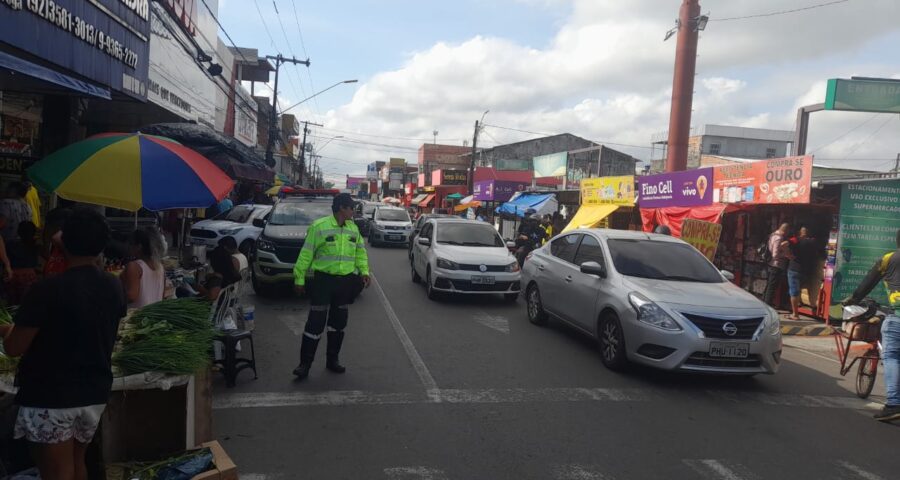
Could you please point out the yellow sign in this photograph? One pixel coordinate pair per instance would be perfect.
(398, 162)
(703, 236)
(608, 190)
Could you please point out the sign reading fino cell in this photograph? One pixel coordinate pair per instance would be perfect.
(690, 188)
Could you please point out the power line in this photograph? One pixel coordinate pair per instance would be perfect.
(216, 19)
(781, 12)
(599, 142)
(848, 132)
(859, 144)
(306, 54)
(390, 137)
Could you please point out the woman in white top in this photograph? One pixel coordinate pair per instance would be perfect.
(145, 278)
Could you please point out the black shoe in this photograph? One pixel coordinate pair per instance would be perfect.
(335, 367)
(888, 413)
(302, 370)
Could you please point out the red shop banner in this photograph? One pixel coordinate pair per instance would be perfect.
(778, 180)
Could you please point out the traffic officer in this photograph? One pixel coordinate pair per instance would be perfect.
(335, 251)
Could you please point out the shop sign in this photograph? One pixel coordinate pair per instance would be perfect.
(372, 171)
(354, 182)
(513, 164)
(497, 190)
(608, 190)
(857, 95)
(779, 180)
(704, 236)
(398, 162)
(245, 120)
(677, 189)
(869, 220)
(453, 177)
(105, 40)
(552, 165)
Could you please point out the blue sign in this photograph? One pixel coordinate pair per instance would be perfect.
(107, 44)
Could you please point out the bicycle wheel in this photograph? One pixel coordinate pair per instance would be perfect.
(866, 374)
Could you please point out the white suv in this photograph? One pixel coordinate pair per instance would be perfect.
(237, 223)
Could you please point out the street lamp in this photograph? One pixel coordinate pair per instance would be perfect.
(317, 94)
(327, 142)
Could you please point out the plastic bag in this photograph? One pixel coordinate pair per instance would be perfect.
(187, 469)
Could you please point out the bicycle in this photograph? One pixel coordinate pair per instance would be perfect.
(866, 327)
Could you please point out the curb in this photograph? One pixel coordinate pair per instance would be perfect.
(808, 331)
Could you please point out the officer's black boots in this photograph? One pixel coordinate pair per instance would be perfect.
(333, 365)
(302, 370)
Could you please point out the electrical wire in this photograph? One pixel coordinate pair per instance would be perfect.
(306, 54)
(389, 137)
(848, 132)
(598, 142)
(859, 144)
(781, 12)
(216, 19)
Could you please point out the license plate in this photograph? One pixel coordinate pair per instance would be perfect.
(729, 350)
(481, 280)
(394, 237)
(200, 241)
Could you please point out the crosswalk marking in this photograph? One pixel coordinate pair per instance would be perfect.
(577, 472)
(716, 469)
(494, 322)
(418, 472)
(859, 471)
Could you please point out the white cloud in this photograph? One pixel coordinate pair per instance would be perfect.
(607, 76)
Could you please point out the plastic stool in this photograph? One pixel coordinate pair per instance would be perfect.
(231, 364)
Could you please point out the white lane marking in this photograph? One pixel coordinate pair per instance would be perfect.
(295, 323)
(431, 388)
(304, 399)
(423, 473)
(522, 395)
(714, 469)
(859, 471)
(793, 399)
(577, 472)
(495, 322)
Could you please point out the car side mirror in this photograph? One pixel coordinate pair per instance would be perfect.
(728, 275)
(425, 242)
(593, 268)
(510, 244)
(259, 222)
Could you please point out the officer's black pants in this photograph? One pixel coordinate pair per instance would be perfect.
(329, 299)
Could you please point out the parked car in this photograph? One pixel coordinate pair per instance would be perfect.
(389, 226)
(453, 255)
(653, 300)
(237, 223)
(283, 234)
(362, 215)
(417, 227)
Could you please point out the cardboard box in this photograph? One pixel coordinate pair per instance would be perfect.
(223, 467)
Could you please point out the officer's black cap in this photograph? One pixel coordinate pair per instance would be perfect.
(342, 200)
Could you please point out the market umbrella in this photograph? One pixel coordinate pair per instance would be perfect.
(131, 171)
(390, 200)
(279, 189)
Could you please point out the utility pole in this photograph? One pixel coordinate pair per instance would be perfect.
(897, 164)
(306, 125)
(472, 163)
(273, 127)
(683, 85)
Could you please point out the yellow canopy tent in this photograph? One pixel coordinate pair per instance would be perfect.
(590, 216)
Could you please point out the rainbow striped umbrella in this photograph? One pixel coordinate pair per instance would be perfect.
(130, 171)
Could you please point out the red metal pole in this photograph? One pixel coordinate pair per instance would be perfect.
(683, 86)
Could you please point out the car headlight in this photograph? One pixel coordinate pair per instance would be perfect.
(265, 245)
(774, 322)
(229, 231)
(512, 267)
(651, 313)
(447, 264)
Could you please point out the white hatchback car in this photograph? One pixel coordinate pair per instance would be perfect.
(454, 255)
(237, 223)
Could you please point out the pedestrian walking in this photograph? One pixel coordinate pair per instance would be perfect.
(777, 248)
(886, 268)
(334, 250)
(801, 265)
(64, 331)
(16, 210)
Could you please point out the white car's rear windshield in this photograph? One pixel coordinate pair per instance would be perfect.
(469, 234)
(662, 261)
(392, 215)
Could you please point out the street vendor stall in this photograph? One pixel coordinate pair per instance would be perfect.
(600, 197)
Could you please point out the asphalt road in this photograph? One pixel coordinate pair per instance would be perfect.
(469, 389)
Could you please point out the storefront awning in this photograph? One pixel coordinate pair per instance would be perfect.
(589, 216)
(428, 200)
(418, 199)
(542, 203)
(673, 217)
(43, 73)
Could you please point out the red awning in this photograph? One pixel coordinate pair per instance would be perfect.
(674, 216)
(428, 200)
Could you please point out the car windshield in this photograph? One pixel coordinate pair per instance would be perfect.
(662, 261)
(236, 214)
(469, 234)
(369, 208)
(392, 215)
(299, 213)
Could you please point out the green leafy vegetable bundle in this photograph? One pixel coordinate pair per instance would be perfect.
(171, 336)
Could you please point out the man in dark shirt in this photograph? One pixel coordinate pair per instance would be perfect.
(529, 236)
(64, 331)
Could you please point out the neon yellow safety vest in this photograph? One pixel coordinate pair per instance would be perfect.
(332, 249)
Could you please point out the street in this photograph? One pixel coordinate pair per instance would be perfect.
(469, 389)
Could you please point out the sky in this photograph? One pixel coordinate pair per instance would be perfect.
(598, 69)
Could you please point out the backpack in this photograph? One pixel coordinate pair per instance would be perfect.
(763, 252)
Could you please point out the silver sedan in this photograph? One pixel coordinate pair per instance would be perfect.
(651, 299)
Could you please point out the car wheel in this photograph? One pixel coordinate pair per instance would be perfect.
(246, 247)
(415, 275)
(429, 286)
(536, 313)
(510, 297)
(612, 342)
